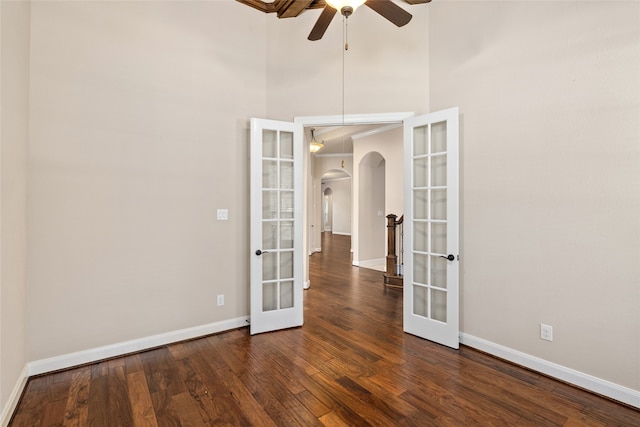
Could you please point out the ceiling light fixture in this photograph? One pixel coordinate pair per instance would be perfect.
(315, 145)
(345, 7)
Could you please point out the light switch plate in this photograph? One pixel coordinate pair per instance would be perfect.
(223, 214)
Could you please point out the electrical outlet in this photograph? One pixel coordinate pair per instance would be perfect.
(546, 332)
(220, 299)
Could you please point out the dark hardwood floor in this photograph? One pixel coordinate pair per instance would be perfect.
(350, 364)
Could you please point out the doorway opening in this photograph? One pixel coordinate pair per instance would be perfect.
(368, 125)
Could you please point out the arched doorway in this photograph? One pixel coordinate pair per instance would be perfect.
(336, 203)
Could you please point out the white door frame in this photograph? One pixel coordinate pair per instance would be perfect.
(336, 120)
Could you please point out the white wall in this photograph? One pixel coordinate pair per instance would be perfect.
(370, 219)
(389, 145)
(139, 132)
(14, 97)
(549, 95)
(341, 201)
(386, 68)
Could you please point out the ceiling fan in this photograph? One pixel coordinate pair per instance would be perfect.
(291, 8)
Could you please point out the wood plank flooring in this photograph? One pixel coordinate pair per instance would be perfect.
(350, 364)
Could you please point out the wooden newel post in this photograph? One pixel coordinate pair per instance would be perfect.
(393, 276)
(392, 258)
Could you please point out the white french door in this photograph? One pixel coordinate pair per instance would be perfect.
(276, 225)
(431, 227)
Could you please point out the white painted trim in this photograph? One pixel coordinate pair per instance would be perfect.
(571, 376)
(14, 398)
(324, 180)
(306, 285)
(341, 234)
(376, 131)
(369, 263)
(333, 155)
(99, 353)
(353, 119)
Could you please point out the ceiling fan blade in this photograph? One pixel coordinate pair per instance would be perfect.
(391, 11)
(322, 23)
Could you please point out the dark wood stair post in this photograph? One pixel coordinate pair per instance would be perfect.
(392, 277)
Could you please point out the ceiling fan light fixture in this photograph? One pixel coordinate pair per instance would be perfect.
(315, 145)
(345, 7)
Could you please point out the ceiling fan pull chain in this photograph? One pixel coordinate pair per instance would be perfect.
(346, 33)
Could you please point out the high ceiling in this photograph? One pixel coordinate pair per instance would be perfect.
(336, 139)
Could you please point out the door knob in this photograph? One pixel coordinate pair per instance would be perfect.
(259, 252)
(448, 257)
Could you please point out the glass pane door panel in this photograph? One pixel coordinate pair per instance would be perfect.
(420, 301)
(286, 145)
(421, 141)
(286, 204)
(438, 277)
(439, 305)
(439, 170)
(269, 174)
(439, 204)
(439, 137)
(420, 172)
(439, 238)
(269, 296)
(286, 175)
(286, 294)
(286, 234)
(276, 190)
(269, 143)
(269, 204)
(420, 204)
(420, 266)
(431, 214)
(421, 236)
(286, 265)
(269, 235)
(269, 266)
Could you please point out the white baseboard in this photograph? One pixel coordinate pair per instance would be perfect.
(373, 263)
(571, 376)
(306, 285)
(14, 398)
(95, 354)
(342, 234)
